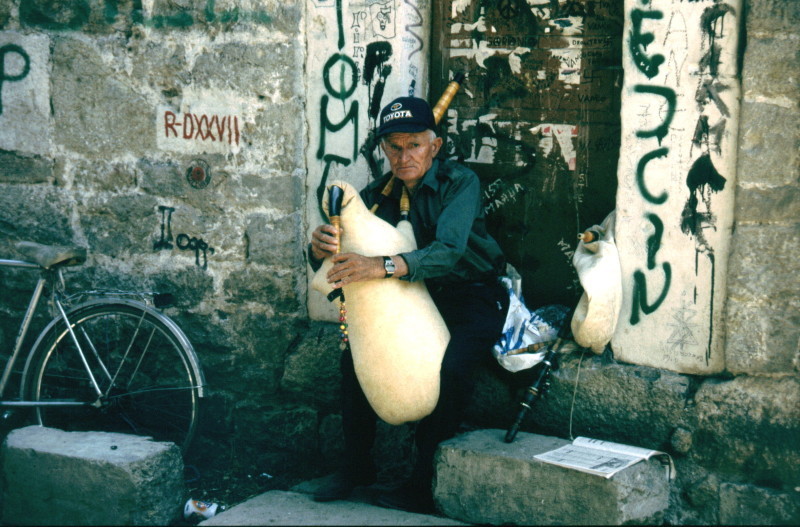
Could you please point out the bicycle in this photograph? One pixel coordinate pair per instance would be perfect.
(107, 361)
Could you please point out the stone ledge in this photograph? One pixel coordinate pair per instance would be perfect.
(481, 479)
(51, 477)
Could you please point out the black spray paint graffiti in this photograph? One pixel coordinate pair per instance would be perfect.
(165, 242)
(22, 72)
(640, 301)
(660, 131)
(183, 241)
(377, 70)
(703, 178)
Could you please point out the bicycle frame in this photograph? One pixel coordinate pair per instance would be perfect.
(46, 275)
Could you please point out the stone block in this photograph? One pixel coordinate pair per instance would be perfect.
(762, 336)
(772, 16)
(768, 205)
(52, 477)
(776, 75)
(97, 110)
(481, 479)
(751, 505)
(278, 242)
(768, 154)
(747, 427)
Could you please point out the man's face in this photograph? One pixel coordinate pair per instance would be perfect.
(411, 155)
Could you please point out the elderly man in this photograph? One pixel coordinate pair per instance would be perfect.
(460, 264)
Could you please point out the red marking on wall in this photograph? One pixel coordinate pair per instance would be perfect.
(194, 127)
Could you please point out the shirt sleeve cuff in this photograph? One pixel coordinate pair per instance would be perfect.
(413, 264)
(313, 262)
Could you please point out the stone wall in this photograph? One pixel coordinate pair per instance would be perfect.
(170, 138)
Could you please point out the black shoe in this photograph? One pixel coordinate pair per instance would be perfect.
(340, 485)
(409, 498)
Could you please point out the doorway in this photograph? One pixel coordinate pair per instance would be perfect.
(537, 117)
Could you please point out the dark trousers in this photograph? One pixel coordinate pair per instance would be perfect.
(474, 314)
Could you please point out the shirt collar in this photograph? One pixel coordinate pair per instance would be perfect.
(430, 179)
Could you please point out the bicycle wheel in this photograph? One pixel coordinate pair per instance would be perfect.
(149, 378)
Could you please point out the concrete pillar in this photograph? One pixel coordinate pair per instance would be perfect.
(680, 111)
(359, 57)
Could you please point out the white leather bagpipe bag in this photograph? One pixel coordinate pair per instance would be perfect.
(397, 336)
(599, 271)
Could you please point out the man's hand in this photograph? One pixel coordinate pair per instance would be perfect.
(351, 267)
(323, 242)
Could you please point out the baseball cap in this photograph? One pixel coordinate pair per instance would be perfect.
(406, 114)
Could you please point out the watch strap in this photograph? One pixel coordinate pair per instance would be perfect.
(389, 267)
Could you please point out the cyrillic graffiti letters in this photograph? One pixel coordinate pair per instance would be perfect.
(327, 125)
(712, 26)
(638, 42)
(185, 243)
(654, 240)
(640, 293)
(640, 280)
(344, 89)
(656, 200)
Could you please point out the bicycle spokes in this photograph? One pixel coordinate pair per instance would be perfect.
(148, 384)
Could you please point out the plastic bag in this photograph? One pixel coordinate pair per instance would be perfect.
(526, 334)
(599, 272)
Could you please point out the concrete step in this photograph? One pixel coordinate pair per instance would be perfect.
(298, 508)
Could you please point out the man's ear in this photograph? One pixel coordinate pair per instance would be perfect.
(437, 144)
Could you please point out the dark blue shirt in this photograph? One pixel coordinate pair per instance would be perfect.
(449, 226)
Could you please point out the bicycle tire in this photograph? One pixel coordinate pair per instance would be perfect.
(151, 385)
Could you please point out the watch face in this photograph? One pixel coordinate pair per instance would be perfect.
(388, 264)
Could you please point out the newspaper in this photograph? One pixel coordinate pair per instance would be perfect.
(603, 458)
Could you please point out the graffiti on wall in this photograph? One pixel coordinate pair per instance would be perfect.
(183, 241)
(537, 118)
(367, 52)
(682, 90)
(9, 73)
(364, 56)
(25, 123)
(202, 127)
(207, 122)
(340, 78)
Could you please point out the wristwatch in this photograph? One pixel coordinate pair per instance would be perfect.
(388, 264)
